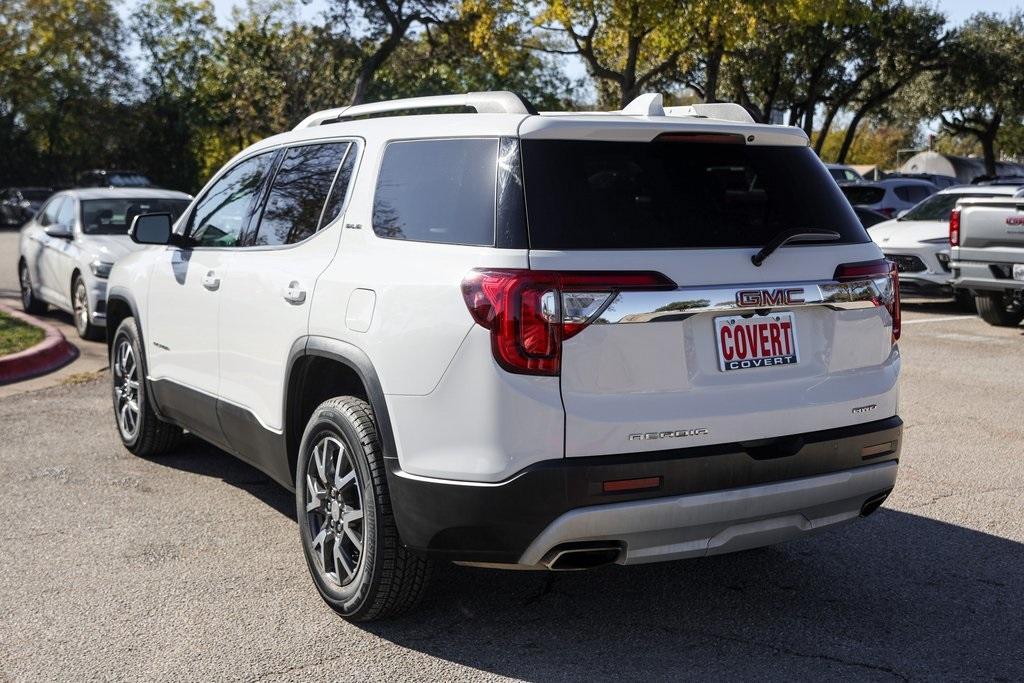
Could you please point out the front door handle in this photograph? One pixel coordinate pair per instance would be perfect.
(211, 281)
(294, 293)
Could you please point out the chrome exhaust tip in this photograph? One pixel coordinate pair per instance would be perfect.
(579, 556)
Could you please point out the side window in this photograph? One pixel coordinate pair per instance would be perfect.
(222, 214)
(340, 190)
(66, 215)
(437, 191)
(49, 214)
(298, 193)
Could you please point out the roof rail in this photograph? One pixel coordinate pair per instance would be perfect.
(495, 102)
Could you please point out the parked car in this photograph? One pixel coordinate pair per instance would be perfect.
(889, 197)
(869, 217)
(18, 204)
(104, 178)
(936, 179)
(918, 242)
(986, 236)
(67, 250)
(844, 174)
(520, 340)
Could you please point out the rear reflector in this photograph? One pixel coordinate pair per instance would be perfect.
(621, 485)
(878, 449)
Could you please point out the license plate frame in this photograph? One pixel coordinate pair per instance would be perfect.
(778, 338)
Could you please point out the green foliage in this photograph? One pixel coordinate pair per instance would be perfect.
(173, 94)
(17, 336)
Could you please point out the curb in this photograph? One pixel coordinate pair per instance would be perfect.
(46, 356)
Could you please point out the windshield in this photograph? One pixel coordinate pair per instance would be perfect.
(676, 194)
(114, 216)
(938, 207)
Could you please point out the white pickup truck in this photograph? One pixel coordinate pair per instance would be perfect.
(986, 238)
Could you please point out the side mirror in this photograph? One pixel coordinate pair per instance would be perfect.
(151, 228)
(58, 230)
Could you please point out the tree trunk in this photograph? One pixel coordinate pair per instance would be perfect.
(988, 149)
(851, 132)
(714, 68)
(826, 126)
(368, 69)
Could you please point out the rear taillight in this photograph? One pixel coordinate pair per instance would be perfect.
(880, 271)
(531, 312)
(887, 212)
(954, 227)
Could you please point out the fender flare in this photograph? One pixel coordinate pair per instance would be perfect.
(356, 359)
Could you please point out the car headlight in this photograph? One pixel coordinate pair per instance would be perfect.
(101, 268)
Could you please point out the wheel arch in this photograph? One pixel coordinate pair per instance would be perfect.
(121, 305)
(320, 368)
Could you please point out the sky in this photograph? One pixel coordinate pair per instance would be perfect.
(957, 10)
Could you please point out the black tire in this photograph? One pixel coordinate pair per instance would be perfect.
(996, 308)
(30, 303)
(965, 300)
(149, 435)
(386, 579)
(80, 305)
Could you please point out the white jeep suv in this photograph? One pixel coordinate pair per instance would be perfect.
(511, 339)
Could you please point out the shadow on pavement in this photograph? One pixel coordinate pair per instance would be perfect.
(896, 595)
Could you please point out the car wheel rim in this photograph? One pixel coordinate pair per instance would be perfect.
(26, 288)
(126, 389)
(334, 511)
(81, 308)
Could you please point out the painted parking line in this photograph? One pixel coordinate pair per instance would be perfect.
(940, 320)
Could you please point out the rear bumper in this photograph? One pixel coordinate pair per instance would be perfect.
(708, 500)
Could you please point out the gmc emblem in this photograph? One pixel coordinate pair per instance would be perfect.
(766, 298)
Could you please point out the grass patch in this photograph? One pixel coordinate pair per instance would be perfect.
(17, 336)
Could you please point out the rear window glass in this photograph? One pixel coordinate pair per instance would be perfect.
(674, 195)
(912, 193)
(863, 195)
(437, 191)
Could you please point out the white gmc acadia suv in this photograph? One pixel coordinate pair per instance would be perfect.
(511, 339)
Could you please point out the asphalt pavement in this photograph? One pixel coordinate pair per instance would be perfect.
(189, 566)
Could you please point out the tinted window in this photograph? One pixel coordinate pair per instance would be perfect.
(297, 195)
(222, 214)
(676, 194)
(912, 193)
(863, 194)
(437, 191)
(115, 216)
(340, 189)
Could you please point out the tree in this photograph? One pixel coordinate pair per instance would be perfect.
(387, 24)
(627, 45)
(982, 85)
(176, 39)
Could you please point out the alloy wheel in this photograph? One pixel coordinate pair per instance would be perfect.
(126, 389)
(81, 307)
(334, 511)
(26, 287)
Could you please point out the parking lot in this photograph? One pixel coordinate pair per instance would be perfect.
(190, 567)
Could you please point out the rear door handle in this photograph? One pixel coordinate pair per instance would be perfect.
(211, 281)
(294, 293)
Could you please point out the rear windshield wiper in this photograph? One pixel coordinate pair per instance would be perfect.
(795, 235)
